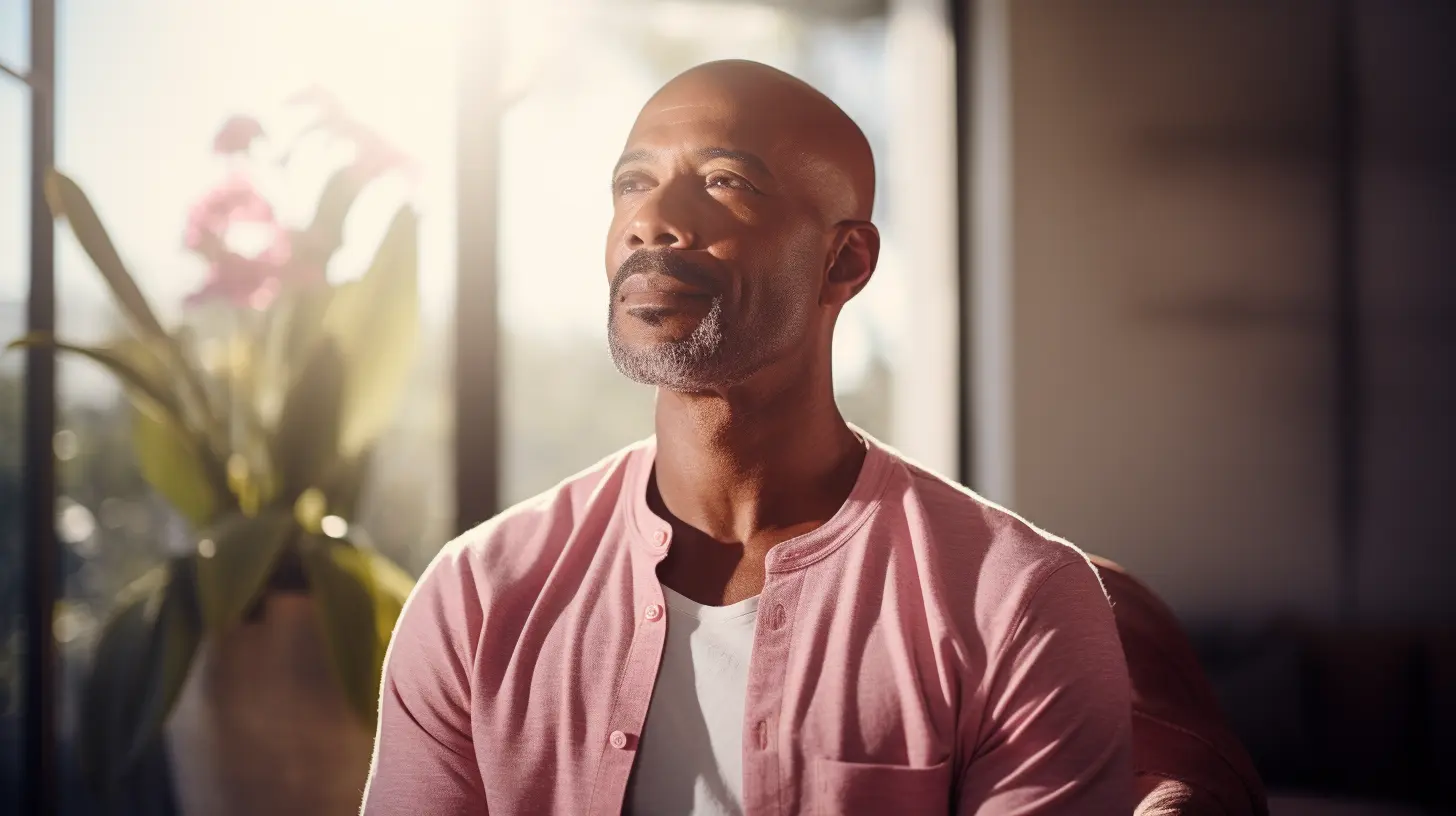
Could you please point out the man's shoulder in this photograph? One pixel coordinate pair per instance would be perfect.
(502, 565)
(522, 533)
(962, 524)
(989, 565)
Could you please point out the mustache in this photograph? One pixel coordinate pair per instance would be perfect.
(665, 262)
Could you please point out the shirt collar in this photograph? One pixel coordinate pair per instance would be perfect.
(650, 530)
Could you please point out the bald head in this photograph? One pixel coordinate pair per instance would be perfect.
(818, 146)
(740, 227)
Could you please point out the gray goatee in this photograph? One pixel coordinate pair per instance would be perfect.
(692, 364)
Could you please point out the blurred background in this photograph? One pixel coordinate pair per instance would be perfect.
(1175, 279)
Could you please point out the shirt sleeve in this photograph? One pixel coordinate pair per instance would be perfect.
(1057, 733)
(424, 757)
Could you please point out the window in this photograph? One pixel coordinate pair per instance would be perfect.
(142, 90)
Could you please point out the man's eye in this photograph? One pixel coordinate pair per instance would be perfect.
(728, 181)
(624, 186)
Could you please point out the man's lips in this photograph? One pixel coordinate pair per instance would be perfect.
(657, 290)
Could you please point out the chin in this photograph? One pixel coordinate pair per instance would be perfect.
(675, 365)
(651, 326)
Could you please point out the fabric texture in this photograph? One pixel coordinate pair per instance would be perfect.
(691, 755)
(923, 651)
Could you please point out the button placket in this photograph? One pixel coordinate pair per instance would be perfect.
(627, 713)
(766, 768)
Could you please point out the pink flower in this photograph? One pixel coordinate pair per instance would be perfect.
(251, 257)
(236, 135)
(235, 200)
(218, 226)
(241, 281)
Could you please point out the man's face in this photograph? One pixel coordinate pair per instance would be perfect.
(714, 258)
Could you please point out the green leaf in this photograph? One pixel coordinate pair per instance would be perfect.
(67, 201)
(140, 665)
(139, 381)
(376, 322)
(175, 464)
(325, 234)
(243, 551)
(359, 594)
(172, 457)
(306, 444)
(305, 323)
(345, 482)
(294, 325)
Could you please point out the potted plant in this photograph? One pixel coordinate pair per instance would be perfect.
(258, 650)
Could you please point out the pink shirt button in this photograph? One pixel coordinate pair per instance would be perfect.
(660, 538)
(618, 739)
(654, 612)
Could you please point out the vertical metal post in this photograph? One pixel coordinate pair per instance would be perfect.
(960, 23)
(477, 336)
(1349, 364)
(38, 793)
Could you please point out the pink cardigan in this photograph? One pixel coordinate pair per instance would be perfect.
(923, 651)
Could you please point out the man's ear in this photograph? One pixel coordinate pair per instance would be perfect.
(855, 253)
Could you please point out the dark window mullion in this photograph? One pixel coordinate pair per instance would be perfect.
(477, 334)
(38, 795)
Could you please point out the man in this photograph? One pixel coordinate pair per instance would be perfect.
(761, 609)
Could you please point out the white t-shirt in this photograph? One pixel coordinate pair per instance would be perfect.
(690, 759)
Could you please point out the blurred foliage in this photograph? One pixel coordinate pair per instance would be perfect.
(263, 449)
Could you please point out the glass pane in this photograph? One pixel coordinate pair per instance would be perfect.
(14, 285)
(15, 34)
(145, 92)
(575, 97)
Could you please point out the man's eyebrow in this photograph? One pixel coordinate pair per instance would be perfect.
(703, 153)
(629, 157)
(736, 155)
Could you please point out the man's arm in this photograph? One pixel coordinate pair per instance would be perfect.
(424, 756)
(1057, 733)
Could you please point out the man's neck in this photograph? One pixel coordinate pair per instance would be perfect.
(755, 467)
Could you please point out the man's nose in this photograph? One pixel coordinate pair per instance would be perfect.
(661, 222)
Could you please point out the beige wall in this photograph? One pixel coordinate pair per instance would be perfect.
(1173, 243)
(1172, 247)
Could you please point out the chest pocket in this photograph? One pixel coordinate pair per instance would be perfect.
(851, 788)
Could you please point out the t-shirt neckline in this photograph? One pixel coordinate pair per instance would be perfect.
(707, 612)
